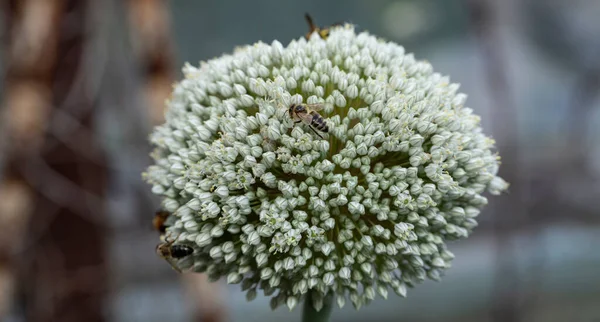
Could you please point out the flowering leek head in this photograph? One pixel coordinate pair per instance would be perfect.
(368, 208)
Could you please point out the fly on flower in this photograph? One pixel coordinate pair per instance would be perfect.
(307, 113)
(323, 32)
(160, 217)
(171, 252)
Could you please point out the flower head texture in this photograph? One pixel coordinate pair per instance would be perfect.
(368, 208)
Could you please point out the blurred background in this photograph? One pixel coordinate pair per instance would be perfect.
(84, 81)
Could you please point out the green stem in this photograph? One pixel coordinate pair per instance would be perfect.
(309, 314)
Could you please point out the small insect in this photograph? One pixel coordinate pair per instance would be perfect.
(307, 113)
(169, 252)
(323, 32)
(160, 217)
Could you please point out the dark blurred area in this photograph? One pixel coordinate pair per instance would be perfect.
(84, 81)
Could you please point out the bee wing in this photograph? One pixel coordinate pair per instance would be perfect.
(173, 265)
(315, 107)
(306, 118)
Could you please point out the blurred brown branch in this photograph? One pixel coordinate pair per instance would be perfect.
(151, 38)
(29, 47)
(63, 275)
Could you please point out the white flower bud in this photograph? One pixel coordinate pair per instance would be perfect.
(266, 273)
(327, 248)
(344, 273)
(203, 239)
(217, 231)
(288, 264)
(328, 279)
(356, 208)
(216, 252)
(400, 290)
(234, 278)
(253, 238)
(291, 302)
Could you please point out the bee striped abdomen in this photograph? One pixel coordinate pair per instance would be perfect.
(180, 251)
(318, 122)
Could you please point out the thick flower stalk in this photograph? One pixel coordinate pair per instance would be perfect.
(369, 208)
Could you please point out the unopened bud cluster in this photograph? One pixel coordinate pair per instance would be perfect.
(270, 205)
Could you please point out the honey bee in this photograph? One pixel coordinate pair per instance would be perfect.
(323, 32)
(170, 252)
(307, 113)
(160, 217)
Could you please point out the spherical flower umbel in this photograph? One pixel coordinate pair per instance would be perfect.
(369, 208)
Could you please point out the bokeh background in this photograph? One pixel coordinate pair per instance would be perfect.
(84, 81)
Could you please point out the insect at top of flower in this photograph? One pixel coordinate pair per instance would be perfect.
(322, 32)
